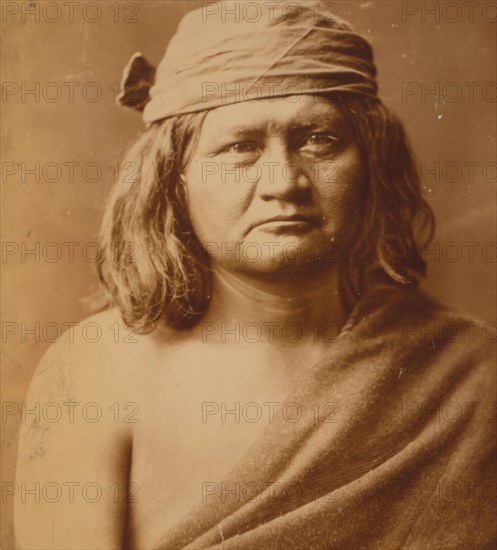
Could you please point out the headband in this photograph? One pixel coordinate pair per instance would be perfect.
(217, 58)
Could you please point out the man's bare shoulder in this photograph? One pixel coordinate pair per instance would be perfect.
(99, 379)
(78, 426)
(100, 356)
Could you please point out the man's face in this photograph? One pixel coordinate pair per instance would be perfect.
(275, 184)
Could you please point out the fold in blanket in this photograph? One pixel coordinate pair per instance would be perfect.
(404, 459)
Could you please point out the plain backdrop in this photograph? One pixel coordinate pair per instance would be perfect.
(414, 53)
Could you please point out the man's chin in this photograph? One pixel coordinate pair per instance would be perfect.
(275, 264)
(275, 255)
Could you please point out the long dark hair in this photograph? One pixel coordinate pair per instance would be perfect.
(154, 268)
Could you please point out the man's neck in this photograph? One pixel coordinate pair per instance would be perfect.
(283, 311)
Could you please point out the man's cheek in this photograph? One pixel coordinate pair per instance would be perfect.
(209, 225)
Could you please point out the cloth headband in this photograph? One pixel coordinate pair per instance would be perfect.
(215, 60)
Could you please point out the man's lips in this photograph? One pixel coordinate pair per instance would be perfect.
(295, 218)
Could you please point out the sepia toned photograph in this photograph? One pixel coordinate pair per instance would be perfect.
(249, 295)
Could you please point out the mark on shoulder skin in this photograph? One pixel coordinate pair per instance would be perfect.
(36, 437)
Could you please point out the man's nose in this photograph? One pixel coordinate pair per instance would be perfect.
(282, 176)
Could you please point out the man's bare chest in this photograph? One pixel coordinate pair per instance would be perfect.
(197, 420)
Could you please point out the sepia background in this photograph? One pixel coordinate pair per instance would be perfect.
(453, 136)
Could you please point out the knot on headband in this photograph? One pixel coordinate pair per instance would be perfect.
(138, 78)
(217, 58)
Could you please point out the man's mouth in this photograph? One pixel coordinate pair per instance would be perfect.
(296, 223)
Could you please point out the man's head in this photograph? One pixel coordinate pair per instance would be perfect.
(282, 183)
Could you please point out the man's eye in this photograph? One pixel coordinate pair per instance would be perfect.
(242, 147)
(321, 141)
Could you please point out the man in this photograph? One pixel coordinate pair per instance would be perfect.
(292, 383)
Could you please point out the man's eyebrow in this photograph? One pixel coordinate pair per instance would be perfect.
(329, 121)
(241, 129)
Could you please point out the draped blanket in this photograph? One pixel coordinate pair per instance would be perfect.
(402, 454)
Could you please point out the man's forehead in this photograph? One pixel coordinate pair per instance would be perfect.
(296, 112)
